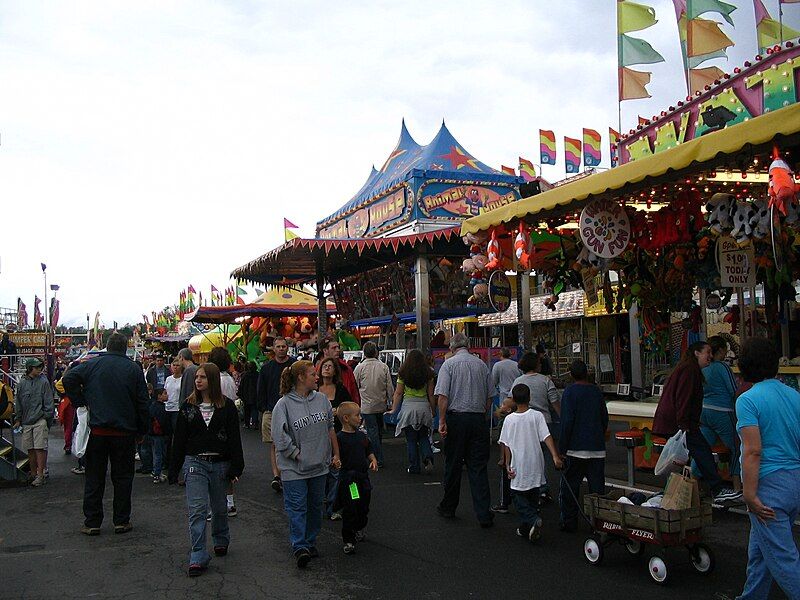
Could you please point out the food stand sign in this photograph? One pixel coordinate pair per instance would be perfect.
(736, 264)
(604, 228)
(30, 344)
(499, 291)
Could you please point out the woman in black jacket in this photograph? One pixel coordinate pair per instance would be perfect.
(208, 445)
(248, 385)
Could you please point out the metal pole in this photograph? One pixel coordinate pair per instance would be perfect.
(703, 314)
(636, 349)
(524, 310)
(422, 302)
(322, 304)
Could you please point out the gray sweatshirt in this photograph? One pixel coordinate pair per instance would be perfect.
(300, 427)
(34, 400)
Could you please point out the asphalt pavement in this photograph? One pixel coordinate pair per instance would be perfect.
(410, 551)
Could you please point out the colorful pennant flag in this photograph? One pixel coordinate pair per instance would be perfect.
(701, 7)
(632, 84)
(239, 293)
(526, 170)
(37, 313)
(572, 154)
(634, 51)
(22, 314)
(592, 153)
(55, 312)
(508, 170)
(613, 142)
(705, 37)
(769, 31)
(288, 234)
(700, 78)
(547, 147)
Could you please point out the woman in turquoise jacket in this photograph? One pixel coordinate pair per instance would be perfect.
(718, 419)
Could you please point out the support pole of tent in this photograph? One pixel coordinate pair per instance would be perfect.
(636, 348)
(524, 310)
(703, 314)
(322, 303)
(422, 302)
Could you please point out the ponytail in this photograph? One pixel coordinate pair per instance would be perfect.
(290, 375)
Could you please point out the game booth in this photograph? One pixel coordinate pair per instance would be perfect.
(694, 234)
(392, 257)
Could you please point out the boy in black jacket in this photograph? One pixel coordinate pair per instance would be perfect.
(355, 488)
(584, 420)
(159, 432)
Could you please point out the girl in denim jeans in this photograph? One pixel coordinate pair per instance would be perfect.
(207, 438)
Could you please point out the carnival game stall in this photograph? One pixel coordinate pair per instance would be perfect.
(701, 216)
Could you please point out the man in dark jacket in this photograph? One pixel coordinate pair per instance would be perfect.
(157, 374)
(111, 386)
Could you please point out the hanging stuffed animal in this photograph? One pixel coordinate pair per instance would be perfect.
(718, 212)
(494, 252)
(782, 188)
(522, 245)
(733, 318)
(761, 219)
(742, 216)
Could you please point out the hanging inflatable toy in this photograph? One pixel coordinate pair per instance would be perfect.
(494, 253)
(522, 248)
(782, 188)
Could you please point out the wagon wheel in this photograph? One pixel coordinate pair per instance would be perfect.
(702, 558)
(593, 550)
(658, 568)
(634, 547)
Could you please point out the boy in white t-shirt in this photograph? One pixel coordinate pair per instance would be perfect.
(523, 432)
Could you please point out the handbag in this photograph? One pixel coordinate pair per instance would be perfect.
(81, 437)
(674, 456)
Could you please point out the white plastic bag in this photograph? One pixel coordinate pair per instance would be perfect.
(81, 436)
(674, 456)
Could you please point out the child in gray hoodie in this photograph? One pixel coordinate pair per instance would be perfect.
(306, 446)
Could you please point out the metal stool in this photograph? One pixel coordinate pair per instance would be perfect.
(630, 440)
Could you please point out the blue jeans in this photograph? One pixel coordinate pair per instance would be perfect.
(418, 445)
(717, 423)
(145, 450)
(206, 482)
(374, 425)
(701, 455)
(159, 452)
(331, 490)
(772, 553)
(527, 505)
(302, 499)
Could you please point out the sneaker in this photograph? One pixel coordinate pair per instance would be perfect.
(232, 512)
(435, 450)
(78, 470)
(156, 479)
(520, 532)
(37, 481)
(302, 557)
(208, 516)
(277, 485)
(545, 498)
(427, 466)
(313, 552)
(361, 535)
(410, 472)
(196, 569)
(500, 509)
(349, 548)
(136, 457)
(337, 516)
(445, 514)
(220, 550)
(123, 528)
(535, 534)
(90, 530)
(724, 495)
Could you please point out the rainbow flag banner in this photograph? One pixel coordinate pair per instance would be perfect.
(613, 142)
(526, 170)
(572, 154)
(547, 147)
(592, 153)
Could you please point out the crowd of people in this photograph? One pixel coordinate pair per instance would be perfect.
(323, 423)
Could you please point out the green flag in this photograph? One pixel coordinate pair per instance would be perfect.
(700, 7)
(634, 17)
(634, 51)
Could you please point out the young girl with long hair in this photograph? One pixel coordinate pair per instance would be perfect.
(208, 445)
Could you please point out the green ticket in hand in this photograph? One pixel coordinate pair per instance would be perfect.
(354, 491)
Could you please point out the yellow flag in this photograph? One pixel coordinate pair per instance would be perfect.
(633, 17)
(769, 33)
(700, 78)
(704, 37)
(632, 84)
(289, 234)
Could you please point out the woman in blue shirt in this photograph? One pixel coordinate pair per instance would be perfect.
(718, 418)
(769, 424)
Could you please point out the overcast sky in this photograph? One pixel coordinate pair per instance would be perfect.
(149, 145)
